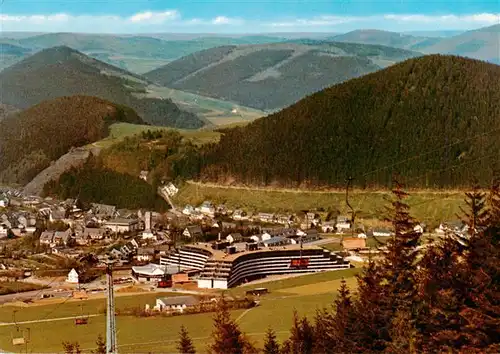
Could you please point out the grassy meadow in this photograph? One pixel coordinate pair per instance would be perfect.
(218, 112)
(159, 334)
(119, 131)
(430, 207)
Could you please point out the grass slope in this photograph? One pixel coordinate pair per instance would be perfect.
(142, 334)
(31, 139)
(433, 119)
(61, 71)
(427, 206)
(275, 75)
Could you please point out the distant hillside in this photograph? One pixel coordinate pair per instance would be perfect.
(434, 119)
(62, 71)
(31, 139)
(273, 76)
(390, 39)
(11, 53)
(483, 43)
(133, 52)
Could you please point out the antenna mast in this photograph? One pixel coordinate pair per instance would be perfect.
(110, 317)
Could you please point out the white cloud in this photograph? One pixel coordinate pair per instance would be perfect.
(479, 19)
(326, 20)
(223, 20)
(171, 20)
(154, 17)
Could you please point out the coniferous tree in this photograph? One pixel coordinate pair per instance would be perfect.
(271, 345)
(475, 215)
(451, 269)
(323, 334)
(185, 344)
(301, 339)
(400, 267)
(343, 321)
(101, 346)
(226, 335)
(371, 330)
(71, 347)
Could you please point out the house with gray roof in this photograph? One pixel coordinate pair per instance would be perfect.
(176, 303)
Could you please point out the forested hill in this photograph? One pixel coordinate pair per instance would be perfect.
(31, 139)
(62, 71)
(274, 76)
(433, 119)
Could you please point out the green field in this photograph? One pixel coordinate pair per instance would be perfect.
(119, 131)
(158, 334)
(430, 207)
(216, 111)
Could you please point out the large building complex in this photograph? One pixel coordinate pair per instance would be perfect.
(229, 267)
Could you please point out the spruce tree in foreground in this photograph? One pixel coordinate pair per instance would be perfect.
(71, 348)
(271, 345)
(185, 344)
(101, 346)
(301, 339)
(343, 321)
(226, 335)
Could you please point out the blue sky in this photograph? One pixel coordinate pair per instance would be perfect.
(250, 16)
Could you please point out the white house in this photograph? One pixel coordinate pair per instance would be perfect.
(234, 237)
(343, 224)
(240, 215)
(4, 202)
(328, 226)
(382, 233)
(3, 231)
(176, 303)
(170, 189)
(149, 272)
(72, 277)
(120, 225)
(207, 208)
(188, 210)
(193, 232)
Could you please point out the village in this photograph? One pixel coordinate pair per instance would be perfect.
(43, 238)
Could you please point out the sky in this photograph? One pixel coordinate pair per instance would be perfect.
(248, 16)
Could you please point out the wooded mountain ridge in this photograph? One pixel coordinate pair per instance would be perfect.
(434, 119)
(273, 76)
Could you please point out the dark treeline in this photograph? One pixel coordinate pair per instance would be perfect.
(442, 299)
(433, 119)
(92, 183)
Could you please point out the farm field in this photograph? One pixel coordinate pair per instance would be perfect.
(430, 207)
(159, 334)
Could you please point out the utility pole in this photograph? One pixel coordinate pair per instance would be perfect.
(353, 213)
(110, 317)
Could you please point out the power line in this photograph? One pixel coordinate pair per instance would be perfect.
(430, 152)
